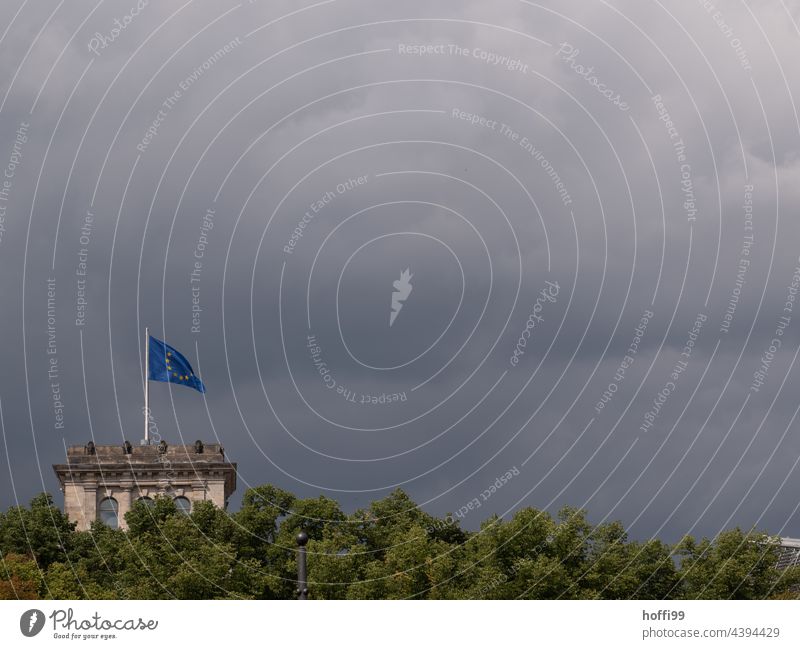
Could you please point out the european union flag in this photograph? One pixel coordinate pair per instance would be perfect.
(168, 364)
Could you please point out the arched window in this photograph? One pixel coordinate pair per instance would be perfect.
(108, 512)
(184, 505)
(146, 501)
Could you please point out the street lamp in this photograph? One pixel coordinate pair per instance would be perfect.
(302, 575)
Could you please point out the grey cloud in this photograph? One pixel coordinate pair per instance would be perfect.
(615, 243)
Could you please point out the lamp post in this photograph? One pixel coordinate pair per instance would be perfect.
(302, 575)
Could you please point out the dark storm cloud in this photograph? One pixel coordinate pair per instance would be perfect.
(157, 128)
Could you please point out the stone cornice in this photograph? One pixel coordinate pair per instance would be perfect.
(187, 472)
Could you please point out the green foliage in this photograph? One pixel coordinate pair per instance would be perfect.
(42, 530)
(392, 550)
(737, 565)
(20, 577)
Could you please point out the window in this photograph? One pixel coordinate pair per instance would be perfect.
(108, 512)
(184, 505)
(146, 501)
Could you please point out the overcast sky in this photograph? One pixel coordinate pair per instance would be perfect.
(589, 197)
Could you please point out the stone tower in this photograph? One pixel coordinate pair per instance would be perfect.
(103, 482)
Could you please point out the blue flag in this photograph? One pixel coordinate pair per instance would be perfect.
(168, 364)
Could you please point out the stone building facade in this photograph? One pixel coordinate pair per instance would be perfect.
(103, 482)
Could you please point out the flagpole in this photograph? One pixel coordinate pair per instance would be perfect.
(146, 386)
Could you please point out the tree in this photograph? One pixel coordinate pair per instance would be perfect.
(257, 522)
(736, 565)
(41, 530)
(390, 550)
(20, 577)
(619, 569)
